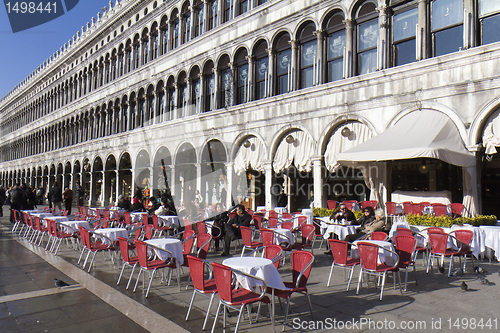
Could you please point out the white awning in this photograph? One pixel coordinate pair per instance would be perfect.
(298, 152)
(425, 133)
(250, 157)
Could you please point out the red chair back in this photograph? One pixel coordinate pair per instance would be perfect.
(223, 278)
(378, 235)
(148, 231)
(286, 215)
(258, 219)
(332, 204)
(439, 209)
(246, 235)
(273, 214)
(187, 244)
(202, 244)
(273, 222)
(202, 227)
(391, 207)
(425, 203)
(339, 251)
(456, 209)
(464, 235)
(407, 207)
(368, 254)
(417, 209)
(400, 231)
(80, 209)
(106, 213)
(434, 229)
(154, 219)
(317, 228)
(142, 253)
(123, 243)
(438, 241)
(232, 215)
(372, 203)
(126, 218)
(272, 252)
(349, 203)
(85, 237)
(145, 219)
(307, 232)
(405, 246)
(301, 220)
(197, 271)
(188, 224)
(300, 260)
(287, 225)
(267, 236)
(138, 232)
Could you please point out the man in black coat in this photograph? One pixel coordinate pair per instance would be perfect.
(232, 228)
(55, 195)
(79, 194)
(16, 198)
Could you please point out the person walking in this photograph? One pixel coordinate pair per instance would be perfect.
(55, 195)
(2, 200)
(16, 198)
(68, 199)
(40, 192)
(79, 194)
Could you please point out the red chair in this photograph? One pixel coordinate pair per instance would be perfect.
(425, 203)
(456, 209)
(332, 204)
(438, 242)
(339, 251)
(201, 227)
(391, 209)
(18, 218)
(378, 235)
(153, 264)
(434, 229)
(439, 209)
(201, 286)
(267, 236)
(257, 221)
(350, 203)
(417, 209)
(272, 222)
(246, 236)
(127, 259)
(236, 299)
(301, 269)
(158, 228)
(307, 236)
(406, 249)
(287, 225)
(58, 234)
(187, 244)
(202, 244)
(372, 203)
(286, 216)
(93, 247)
(368, 254)
(400, 231)
(232, 215)
(126, 218)
(273, 252)
(317, 232)
(465, 237)
(407, 207)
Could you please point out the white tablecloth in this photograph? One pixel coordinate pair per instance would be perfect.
(283, 235)
(169, 220)
(280, 210)
(295, 219)
(340, 230)
(54, 218)
(309, 213)
(72, 226)
(33, 211)
(395, 225)
(116, 212)
(492, 238)
(260, 267)
(443, 197)
(260, 209)
(170, 244)
(111, 233)
(137, 217)
(383, 256)
(477, 244)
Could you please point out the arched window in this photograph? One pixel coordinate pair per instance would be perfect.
(283, 65)
(227, 10)
(175, 31)
(124, 121)
(243, 79)
(141, 108)
(195, 90)
(128, 56)
(160, 110)
(171, 98)
(335, 46)
(154, 43)
(198, 19)
(137, 51)
(183, 95)
(133, 112)
(308, 57)
(447, 26)
(186, 23)
(145, 47)
(489, 20)
(164, 34)
(226, 82)
(404, 31)
(212, 14)
(367, 38)
(209, 80)
(261, 71)
(121, 61)
(150, 107)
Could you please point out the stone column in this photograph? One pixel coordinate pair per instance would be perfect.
(229, 184)
(318, 181)
(423, 49)
(270, 74)
(320, 77)
(349, 49)
(469, 25)
(268, 170)
(250, 85)
(198, 176)
(205, 16)
(219, 12)
(201, 107)
(191, 23)
(91, 201)
(216, 87)
(382, 40)
(294, 71)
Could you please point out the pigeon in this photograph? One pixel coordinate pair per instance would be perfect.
(458, 273)
(441, 269)
(60, 283)
(480, 270)
(485, 281)
(464, 286)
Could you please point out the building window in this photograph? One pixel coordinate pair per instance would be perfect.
(154, 39)
(209, 82)
(137, 54)
(261, 71)
(335, 46)
(489, 19)
(283, 65)
(198, 20)
(308, 57)
(196, 93)
(242, 82)
(165, 38)
(186, 24)
(243, 6)
(404, 45)
(447, 26)
(212, 14)
(175, 33)
(227, 9)
(171, 100)
(145, 47)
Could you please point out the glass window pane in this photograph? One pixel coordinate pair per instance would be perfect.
(282, 84)
(367, 62)
(262, 70)
(488, 6)
(284, 61)
(308, 51)
(336, 70)
(449, 40)
(490, 29)
(446, 12)
(405, 24)
(336, 44)
(368, 35)
(405, 52)
(306, 77)
(243, 75)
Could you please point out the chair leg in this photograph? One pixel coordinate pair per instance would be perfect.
(208, 311)
(190, 304)
(121, 272)
(350, 277)
(310, 304)
(216, 316)
(360, 280)
(451, 264)
(150, 280)
(330, 276)
(428, 262)
(131, 274)
(138, 278)
(286, 312)
(383, 284)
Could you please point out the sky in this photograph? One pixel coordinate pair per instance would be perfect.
(22, 52)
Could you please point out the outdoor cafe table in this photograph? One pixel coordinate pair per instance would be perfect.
(383, 256)
(338, 229)
(111, 233)
(137, 217)
(169, 220)
(116, 212)
(280, 210)
(72, 226)
(492, 238)
(170, 244)
(54, 218)
(283, 235)
(259, 267)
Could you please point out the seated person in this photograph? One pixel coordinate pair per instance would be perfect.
(137, 206)
(163, 209)
(343, 214)
(219, 221)
(369, 226)
(368, 216)
(232, 228)
(123, 203)
(153, 205)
